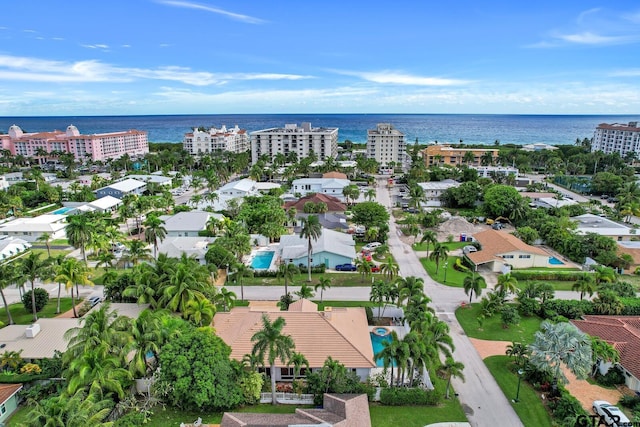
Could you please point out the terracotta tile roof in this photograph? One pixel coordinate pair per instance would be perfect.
(8, 390)
(495, 243)
(335, 174)
(623, 332)
(341, 333)
(333, 204)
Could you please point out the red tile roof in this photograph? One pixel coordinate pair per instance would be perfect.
(8, 390)
(333, 203)
(495, 243)
(623, 332)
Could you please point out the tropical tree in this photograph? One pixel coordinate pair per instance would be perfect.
(305, 292)
(518, 351)
(561, 344)
(154, 232)
(389, 268)
(473, 284)
(78, 230)
(224, 299)
(287, 271)
(602, 352)
(46, 238)
(79, 410)
(298, 360)
(33, 268)
(409, 287)
(323, 284)
(364, 267)
(440, 253)
(507, 284)
(450, 368)
(271, 343)
(7, 278)
(147, 337)
(240, 271)
(585, 285)
(187, 283)
(200, 312)
(311, 230)
(137, 251)
(430, 238)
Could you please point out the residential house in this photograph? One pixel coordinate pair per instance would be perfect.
(241, 188)
(188, 224)
(30, 229)
(632, 248)
(494, 171)
(500, 251)
(192, 247)
(623, 333)
(333, 204)
(8, 400)
(18, 177)
(445, 154)
(589, 223)
(338, 332)
(328, 220)
(330, 186)
(338, 410)
(332, 248)
(11, 246)
(87, 180)
(162, 181)
(123, 188)
(433, 190)
(107, 204)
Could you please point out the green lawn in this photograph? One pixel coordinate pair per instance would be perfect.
(19, 418)
(54, 252)
(454, 277)
(173, 417)
(451, 246)
(24, 317)
(529, 407)
(559, 285)
(415, 416)
(492, 327)
(337, 280)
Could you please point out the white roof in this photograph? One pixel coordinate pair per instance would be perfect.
(158, 179)
(187, 221)
(106, 202)
(324, 182)
(589, 223)
(42, 223)
(293, 246)
(11, 242)
(174, 247)
(126, 186)
(438, 185)
(245, 185)
(555, 203)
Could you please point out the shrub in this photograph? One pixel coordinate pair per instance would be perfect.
(30, 368)
(528, 306)
(566, 407)
(571, 309)
(629, 401)
(614, 376)
(369, 312)
(459, 266)
(509, 316)
(631, 306)
(400, 396)
(131, 419)
(569, 276)
(42, 298)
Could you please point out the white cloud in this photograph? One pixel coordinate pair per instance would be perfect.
(633, 72)
(95, 46)
(399, 78)
(197, 6)
(590, 38)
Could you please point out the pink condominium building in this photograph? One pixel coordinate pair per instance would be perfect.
(101, 146)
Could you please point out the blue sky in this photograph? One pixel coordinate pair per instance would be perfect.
(72, 57)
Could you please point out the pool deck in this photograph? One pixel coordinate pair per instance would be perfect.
(271, 248)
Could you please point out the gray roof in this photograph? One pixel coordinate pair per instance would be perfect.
(329, 220)
(293, 246)
(187, 221)
(125, 186)
(176, 246)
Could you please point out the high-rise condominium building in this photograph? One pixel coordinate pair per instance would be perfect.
(202, 141)
(100, 146)
(293, 139)
(617, 138)
(386, 144)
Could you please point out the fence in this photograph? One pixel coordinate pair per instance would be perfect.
(288, 398)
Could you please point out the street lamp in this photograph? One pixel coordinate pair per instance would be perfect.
(517, 399)
(446, 264)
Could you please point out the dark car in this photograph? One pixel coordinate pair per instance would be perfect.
(346, 267)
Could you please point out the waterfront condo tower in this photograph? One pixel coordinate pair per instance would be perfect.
(617, 138)
(202, 141)
(97, 147)
(301, 140)
(386, 145)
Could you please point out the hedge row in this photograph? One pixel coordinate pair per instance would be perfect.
(569, 276)
(268, 273)
(401, 396)
(574, 309)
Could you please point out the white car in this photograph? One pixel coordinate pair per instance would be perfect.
(610, 414)
(371, 246)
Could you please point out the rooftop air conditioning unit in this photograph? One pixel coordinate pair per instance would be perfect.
(32, 330)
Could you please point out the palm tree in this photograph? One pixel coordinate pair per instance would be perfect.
(518, 351)
(561, 344)
(33, 268)
(370, 194)
(311, 230)
(363, 267)
(186, 284)
(102, 373)
(585, 285)
(473, 284)
(271, 343)
(409, 287)
(224, 299)
(7, 277)
(79, 410)
(73, 273)
(323, 284)
(390, 354)
(440, 252)
(298, 360)
(137, 251)
(154, 232)
(46, 238)
(78, 231)
(105, 259)
(200, 312)
(604, 274)
(147, 336)
(287, 271)
(240, 271)
(389, 268)
(450, 369)
(507, 284)
(305, 292)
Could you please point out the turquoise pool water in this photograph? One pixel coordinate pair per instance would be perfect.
(262, 260)
(377, 344)
(555, 261)
(62, 211)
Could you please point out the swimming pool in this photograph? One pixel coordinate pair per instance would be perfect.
(262, 260)
(555, 261)
(62, 211)
(377, 344)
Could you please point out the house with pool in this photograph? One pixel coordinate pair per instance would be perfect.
(501, 251)
(332, 248)
(30, 229)
(338, 332)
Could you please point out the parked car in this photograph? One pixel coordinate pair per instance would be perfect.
(117, 247)
(93, 301)
(371, 246)
(366, 255)
(611, 414)
(375, 269)
(346, 267)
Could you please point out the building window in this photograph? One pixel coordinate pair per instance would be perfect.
(3, 409)
(524, 256)
(507, 256)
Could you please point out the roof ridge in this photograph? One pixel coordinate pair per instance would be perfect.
(345, 337)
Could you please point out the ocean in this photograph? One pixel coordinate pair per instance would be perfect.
(444, 128)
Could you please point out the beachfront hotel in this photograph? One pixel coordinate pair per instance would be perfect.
(301, 140)
(617, 138)
(444, 154)
(97, 147)
(214, 140)
(386, 145)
